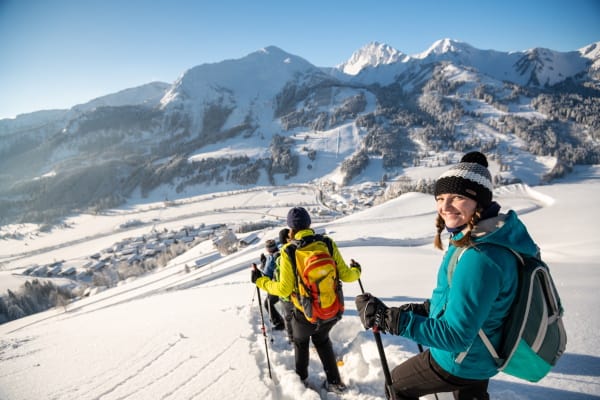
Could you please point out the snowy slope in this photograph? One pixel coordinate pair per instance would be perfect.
(173, 335)
(592, 52)
(148, 95)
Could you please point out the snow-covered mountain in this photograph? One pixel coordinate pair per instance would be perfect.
(149, 95)
(372, 55)
(244, 87)
(535, 67)
(262, 73)
(592, 52)
(272, 117)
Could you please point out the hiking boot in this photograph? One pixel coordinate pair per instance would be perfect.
(337, 388)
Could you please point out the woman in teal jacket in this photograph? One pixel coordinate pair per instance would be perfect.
(474, 291)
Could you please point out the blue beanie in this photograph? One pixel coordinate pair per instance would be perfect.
(298, 219)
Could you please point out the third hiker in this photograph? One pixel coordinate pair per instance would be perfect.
(268, 263)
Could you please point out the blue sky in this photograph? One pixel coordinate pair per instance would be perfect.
(59, 53)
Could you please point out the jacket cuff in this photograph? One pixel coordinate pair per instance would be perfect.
(260, 282)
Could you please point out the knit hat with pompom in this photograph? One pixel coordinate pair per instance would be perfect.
(470, 178)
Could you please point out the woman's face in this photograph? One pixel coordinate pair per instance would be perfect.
(455, 210)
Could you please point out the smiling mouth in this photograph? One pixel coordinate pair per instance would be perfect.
(452, 214)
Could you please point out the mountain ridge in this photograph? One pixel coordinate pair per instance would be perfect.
(272, 117)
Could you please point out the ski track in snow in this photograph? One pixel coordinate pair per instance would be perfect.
(189, 381)
(112, 379)
(148, 373)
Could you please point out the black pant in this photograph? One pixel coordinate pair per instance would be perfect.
(274, 315)
(319, 333)
(288, 315)
(421, 375)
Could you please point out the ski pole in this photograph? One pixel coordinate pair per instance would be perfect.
(253, 296)
(391, 394)
(262, 319)
(267, 300)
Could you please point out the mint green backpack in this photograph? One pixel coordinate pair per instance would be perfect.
(534, 336)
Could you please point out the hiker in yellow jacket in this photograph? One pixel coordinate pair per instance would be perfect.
(304, 327)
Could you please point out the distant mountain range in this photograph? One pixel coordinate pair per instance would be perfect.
(274, 118)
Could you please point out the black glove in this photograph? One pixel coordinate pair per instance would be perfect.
(263, 259)
(354, 264)
(256, 273)
(417, 308)
(373, 312)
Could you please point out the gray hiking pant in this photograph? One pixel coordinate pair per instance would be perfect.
(421, 375)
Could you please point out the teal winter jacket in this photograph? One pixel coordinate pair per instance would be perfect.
(483, 286)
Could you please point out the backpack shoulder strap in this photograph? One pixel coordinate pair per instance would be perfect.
(486, 341)
(327, 241)
(459, 252)
(291, 252)
(453, 261)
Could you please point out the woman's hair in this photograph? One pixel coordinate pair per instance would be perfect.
(463, 241)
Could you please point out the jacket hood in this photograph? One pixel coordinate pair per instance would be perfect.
(505, 230)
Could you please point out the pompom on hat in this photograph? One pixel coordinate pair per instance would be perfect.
(470, 178)
(298, 219)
